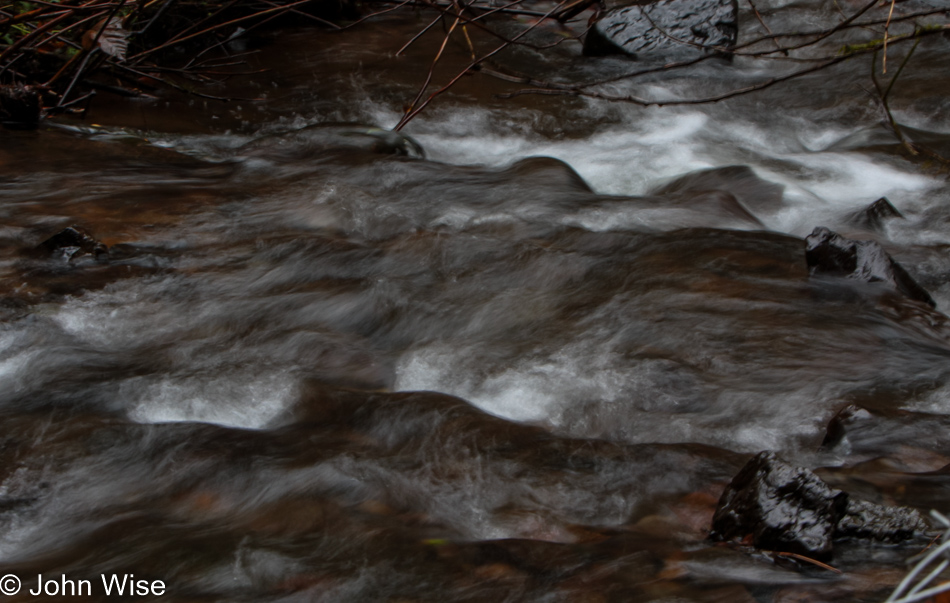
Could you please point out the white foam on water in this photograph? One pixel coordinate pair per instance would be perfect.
(623, 160)
(654, 145)
(528, 391)
(839, 183)
(248, 401)
(15, 362)
(583, 392)
(12, 370)
(515, 394)
(214, 388)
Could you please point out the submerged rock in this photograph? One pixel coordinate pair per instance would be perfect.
(740, 181)
(875, 215)
(321, 138)
(907, 441)
(665, 29)
(73, 242)
(723, 191)
(548, 171)
(829, 253)
(790, 509)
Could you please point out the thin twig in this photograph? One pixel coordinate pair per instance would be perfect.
(887, 27)
(768, 29)
(809, 560)
(431, 72)
(418, 35)
(694, 101)
(411, 114)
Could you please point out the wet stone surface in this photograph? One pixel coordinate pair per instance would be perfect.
(665, 30)
(779, 507)
(73, 242)
(783, 508)
(829, 253)
(876, 215)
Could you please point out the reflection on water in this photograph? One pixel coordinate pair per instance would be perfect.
(232, 401)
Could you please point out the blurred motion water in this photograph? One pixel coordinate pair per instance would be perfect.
(512, 354)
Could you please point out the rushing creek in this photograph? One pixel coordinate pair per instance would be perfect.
(317, 365)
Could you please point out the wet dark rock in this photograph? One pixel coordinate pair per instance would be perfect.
(829, 253)
(20, 107)
(665, 29)
(867, 521)
(790, 509)
(783, 508)
(875, 215)
(73, 242)
(838, 425)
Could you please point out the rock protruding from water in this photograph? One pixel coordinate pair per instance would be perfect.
(20, 107)
(783, 508)
(73, 242)
(838, 426)
(790, 509)
(829, 253)
(666, 29)
(875, 215)
(867, 521)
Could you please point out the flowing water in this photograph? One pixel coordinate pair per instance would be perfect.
(318, 366)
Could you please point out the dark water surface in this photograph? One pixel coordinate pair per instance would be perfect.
(317, 366)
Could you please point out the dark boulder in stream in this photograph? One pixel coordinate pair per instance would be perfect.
(665, 29)
(73, 242)
(785, 508)
(829, 253)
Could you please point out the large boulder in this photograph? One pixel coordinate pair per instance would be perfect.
(665, 29)
(829, 253)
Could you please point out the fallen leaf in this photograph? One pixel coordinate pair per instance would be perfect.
(114, 39)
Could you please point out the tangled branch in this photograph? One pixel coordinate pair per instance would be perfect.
(818, 49)
(60, 51)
